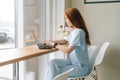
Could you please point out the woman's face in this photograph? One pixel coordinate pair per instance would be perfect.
(68, 21)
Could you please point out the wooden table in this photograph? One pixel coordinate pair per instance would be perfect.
(18, 54)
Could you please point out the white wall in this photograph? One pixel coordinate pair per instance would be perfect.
(103, 22)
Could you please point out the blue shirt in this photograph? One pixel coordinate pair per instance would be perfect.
(79, 55)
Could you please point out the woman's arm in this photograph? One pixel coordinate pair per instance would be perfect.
(65, 49)
(62, 41)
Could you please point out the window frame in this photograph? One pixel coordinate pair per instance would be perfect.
(19, 31)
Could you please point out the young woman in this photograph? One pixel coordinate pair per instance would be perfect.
(77, 49)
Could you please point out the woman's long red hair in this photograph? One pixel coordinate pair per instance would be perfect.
(76, 19)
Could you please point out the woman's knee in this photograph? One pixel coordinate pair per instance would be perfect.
(53, 61)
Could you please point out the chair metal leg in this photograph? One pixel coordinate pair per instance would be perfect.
(96, 76)
(82, 79)
(78, 79)
(93, 76)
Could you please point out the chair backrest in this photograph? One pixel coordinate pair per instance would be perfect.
(92, 53)
(101, 53)
(63, 76)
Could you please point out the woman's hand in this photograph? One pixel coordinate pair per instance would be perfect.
(50, 43)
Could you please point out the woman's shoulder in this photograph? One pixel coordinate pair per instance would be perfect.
(79, 31)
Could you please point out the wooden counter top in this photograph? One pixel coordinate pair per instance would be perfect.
(18, 54)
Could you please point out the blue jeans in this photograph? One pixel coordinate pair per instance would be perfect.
(58, 66)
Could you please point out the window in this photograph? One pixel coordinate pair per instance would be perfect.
(34, 32)
(31, 21)
(7, 34)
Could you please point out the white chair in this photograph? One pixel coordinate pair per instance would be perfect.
(100, 57)
(95, 58)
(63, 76)
(92, 53)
